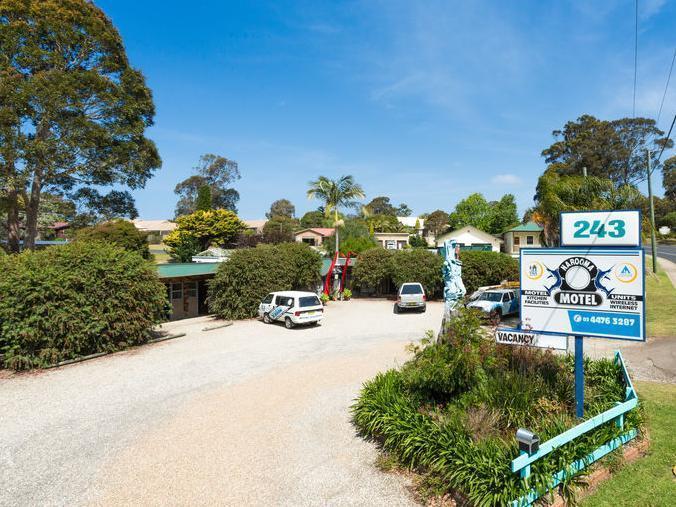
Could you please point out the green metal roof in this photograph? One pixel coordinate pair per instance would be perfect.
(529, 227)
(178, 269)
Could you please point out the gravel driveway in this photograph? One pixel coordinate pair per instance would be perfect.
(250, 414)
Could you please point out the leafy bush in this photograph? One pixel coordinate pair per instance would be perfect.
(451, 413)
(487, 268)
(74, 300)
(415, 265)
(417, 241)
(373, 268)
(251, 273)
(219, 227)
(119, 232)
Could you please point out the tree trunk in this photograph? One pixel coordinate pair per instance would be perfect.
(32, 210)
(13, 229)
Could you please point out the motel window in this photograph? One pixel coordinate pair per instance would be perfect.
(176, 291)
(517, 240)
(309, 241)
(190, 289)
(529, 240)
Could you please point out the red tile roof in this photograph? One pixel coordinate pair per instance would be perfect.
(322, 231)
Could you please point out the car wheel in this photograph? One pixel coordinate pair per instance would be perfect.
(266, 318)
(288, 323)
(424, 309)
(315, 323)
(396, 308)
(495, 317)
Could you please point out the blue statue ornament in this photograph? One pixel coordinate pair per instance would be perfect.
(454, 289)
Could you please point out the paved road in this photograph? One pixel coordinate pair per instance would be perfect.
(246, 415)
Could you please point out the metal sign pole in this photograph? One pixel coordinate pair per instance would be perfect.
(579, 377)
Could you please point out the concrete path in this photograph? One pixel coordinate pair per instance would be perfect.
(669, 268)
(251, 414)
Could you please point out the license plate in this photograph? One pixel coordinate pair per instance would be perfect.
(311, 314)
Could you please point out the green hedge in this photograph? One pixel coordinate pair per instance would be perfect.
(251, 273)
(417, 265)
(487, 268)
(73, 300)
(377, 266)
(118, 232)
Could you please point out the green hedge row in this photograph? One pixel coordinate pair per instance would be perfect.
(377, 266)
(73, 300)
(251, 273)
(487, 268)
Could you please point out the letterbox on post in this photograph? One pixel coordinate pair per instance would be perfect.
(529, 442)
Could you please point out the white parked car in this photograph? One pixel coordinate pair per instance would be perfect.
(411, 296)
(497, 303)
(291, 307)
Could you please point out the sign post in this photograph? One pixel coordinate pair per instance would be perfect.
(592, 287)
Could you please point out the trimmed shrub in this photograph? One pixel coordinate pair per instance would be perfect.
(118, 232)
(487, 268)
(416, 265)
(73, 300)
(373, 268)
(251, 273)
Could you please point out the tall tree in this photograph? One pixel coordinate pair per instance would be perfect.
(73, 112)
(216, 172)
(556, 193)
(381, 206)
(669, 178)
(608, 149)
(504, 214)
(342, 192)
(473, 210)
(436, 222)
(281, 208)
(314, 218)
(336, 193)
(203, 202)
(403, 210)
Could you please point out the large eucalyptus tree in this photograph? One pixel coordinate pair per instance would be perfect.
(73, 112)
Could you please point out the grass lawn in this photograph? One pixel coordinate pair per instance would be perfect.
(661, 304)
(648, 481)
(160, 253)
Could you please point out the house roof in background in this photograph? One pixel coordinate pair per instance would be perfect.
(154, 225)
(59, 225)
(472, 230)
(181, 269)
(410, 221)
(255, 224)
(527, 227)
(322, 231)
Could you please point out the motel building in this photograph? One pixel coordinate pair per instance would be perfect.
(186, 284)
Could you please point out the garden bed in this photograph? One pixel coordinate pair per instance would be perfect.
(452, 411)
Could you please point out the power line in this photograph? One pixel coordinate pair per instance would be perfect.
(633, 113)
(659, 113)
(666, 141)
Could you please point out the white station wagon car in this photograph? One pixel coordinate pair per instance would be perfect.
(291, 307)
(411, 296)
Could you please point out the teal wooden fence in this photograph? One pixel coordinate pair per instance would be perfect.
(522, 463)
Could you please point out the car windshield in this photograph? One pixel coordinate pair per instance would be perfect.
(308, 301)
(491, 296)
(411, 289)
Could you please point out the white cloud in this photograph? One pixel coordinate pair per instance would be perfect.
(506, 179)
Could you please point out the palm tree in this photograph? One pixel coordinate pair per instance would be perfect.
(336, 193)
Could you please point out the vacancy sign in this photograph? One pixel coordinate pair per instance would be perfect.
(509, 336)
(583, 291)
(601, 228)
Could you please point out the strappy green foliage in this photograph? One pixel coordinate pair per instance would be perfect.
(452, 411)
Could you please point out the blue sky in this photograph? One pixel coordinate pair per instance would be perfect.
(425, 102)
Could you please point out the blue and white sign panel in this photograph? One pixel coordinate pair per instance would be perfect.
(511, 336)
(601, 228)
(595, 292)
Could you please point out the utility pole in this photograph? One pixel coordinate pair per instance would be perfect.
(653, 241)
